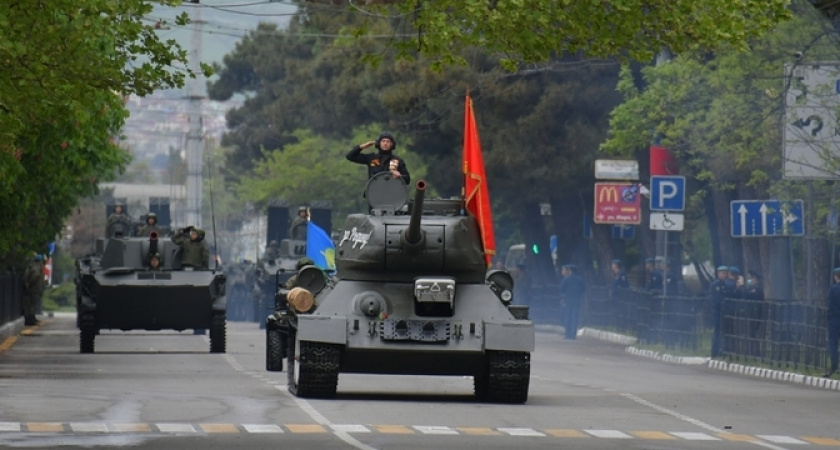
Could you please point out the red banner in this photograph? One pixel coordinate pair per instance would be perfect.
(617, 203)
(476, 196)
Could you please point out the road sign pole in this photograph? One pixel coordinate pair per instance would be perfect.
(665, 263)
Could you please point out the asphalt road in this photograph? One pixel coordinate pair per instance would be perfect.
(164, 390)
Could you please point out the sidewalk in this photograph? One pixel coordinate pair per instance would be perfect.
(759, 372)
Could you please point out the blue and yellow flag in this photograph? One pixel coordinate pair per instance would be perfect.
(319, 247)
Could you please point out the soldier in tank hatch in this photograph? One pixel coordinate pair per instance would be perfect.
(154, 262)
(384, 160)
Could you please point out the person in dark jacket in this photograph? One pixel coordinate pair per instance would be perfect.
(719, 289)
(34, 284)
(384, 160)
(653, 279)
(619, 280)
(571, 294)
(833, 322)
(194, 251)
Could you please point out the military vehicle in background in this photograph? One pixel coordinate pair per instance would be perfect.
(116, 290)
(251, 285)
(412, 296)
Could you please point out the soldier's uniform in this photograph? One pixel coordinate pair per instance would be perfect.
(33, 279)
(382, 161)
(297, 230)
(718, 290)
(194, 252)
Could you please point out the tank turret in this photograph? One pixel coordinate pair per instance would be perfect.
(398, 240)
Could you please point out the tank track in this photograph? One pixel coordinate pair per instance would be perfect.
(506, 378)
(318, 371)
(273, 349)
(87, 333)
(218, 338)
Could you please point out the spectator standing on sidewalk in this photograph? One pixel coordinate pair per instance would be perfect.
(571, 294)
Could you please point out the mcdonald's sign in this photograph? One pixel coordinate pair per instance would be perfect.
(617, 203)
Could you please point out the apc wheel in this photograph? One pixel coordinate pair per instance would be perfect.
(86, 339)
(506, 379)
(312, 368)
(218, 339)
(87, 332)
(273, 349)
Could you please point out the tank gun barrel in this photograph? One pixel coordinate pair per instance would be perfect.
(413, 235)
(153, 242)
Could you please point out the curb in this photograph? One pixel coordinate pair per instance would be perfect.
(740, 369)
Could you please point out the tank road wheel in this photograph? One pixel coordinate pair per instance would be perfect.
(218, 338)
(273, 349)
(312, 368)
(87, 333)
(506, 379)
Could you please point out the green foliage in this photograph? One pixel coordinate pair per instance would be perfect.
(537, 30)
(67, 66)
(62, 296)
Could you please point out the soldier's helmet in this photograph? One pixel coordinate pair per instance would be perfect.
(302, 208)
(272, 244)
(304, 262)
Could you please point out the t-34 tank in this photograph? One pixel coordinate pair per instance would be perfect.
(412, 296)
(117, 290)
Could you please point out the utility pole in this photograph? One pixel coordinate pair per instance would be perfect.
(195, 136)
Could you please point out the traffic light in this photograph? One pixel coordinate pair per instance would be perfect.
(536, 249)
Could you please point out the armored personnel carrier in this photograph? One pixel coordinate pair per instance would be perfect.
(412, 296)
(115, 289)
(251, 285)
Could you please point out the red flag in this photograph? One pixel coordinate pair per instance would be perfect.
(476, 196)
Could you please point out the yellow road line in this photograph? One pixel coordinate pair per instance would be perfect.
(566, 433)
(306, 428)
(132, 427)
(219, 428)
(821, 440)
(652, 435)
(45, 427)
(393, 429)
(8, 343)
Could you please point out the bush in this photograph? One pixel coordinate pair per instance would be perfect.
(62, 296)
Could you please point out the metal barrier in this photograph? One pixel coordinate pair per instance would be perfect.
(11, 292)
(784, 334)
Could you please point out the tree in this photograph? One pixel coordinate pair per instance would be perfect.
(61, 104)
(720, 116)
(536, 30)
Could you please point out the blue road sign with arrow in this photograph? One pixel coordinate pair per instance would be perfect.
(755, 218)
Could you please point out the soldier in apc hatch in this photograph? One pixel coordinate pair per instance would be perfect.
(194, 251)
(297, 230)
(118, 215)
(150, 226)
(154, 262)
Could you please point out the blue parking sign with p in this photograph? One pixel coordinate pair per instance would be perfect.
(667, 193)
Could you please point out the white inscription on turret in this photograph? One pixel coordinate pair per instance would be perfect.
(355, 237)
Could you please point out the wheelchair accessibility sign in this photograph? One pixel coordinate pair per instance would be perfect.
(667, 221)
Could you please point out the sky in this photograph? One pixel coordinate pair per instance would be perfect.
(219, 24)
